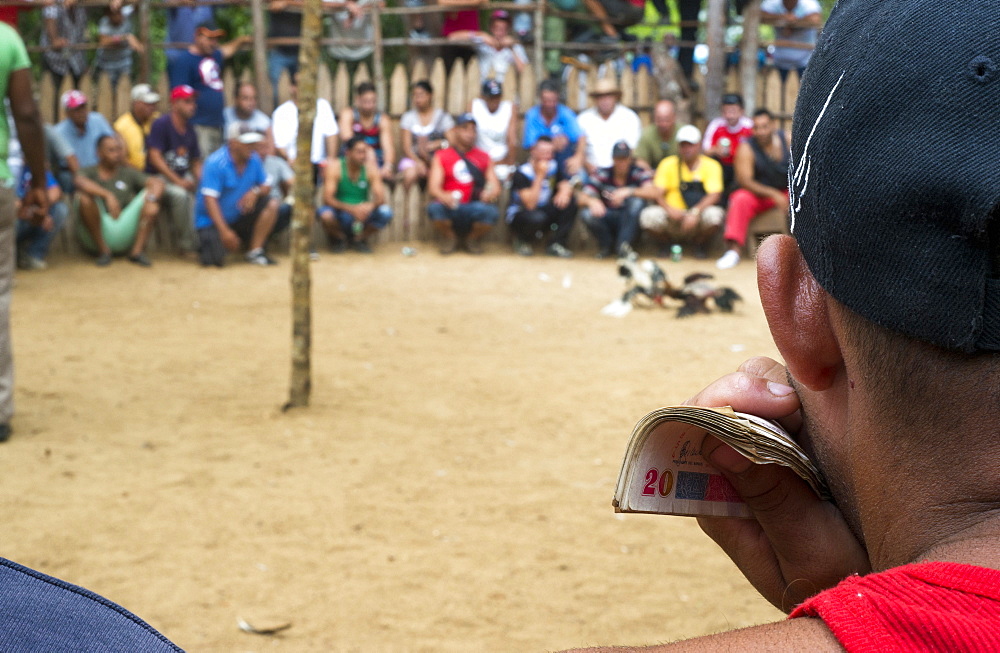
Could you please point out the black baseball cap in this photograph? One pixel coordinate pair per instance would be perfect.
(464, 119)
(492, 88)
(894, 181)
(621, 150)
(733, 98)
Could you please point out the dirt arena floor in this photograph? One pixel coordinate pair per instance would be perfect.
(448, 489)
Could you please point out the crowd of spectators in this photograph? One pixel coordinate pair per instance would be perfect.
(217, 169)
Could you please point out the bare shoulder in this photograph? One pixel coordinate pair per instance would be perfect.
(804, 634)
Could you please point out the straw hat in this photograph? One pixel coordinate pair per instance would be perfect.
(605, 87)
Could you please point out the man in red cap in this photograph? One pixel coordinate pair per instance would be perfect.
(173, 154)
(200, 67)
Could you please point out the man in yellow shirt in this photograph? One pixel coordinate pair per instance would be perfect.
(134, 125)
(687, 209)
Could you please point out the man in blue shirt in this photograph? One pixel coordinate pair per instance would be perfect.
(557, 121)
(81, 129)
(234, 206)
(200, 67)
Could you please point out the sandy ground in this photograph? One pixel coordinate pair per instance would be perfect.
(448, 489)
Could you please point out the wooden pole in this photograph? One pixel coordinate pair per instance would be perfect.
(378, 58)
(260, 78)
(144, 67)
(716, 57)
(302, 216)
(539, 51)
(748, 55)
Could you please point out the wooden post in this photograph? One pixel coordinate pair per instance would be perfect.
(144, 67)
(260, 78)
(539, 51)
(302, 216)
(748, 55)
(715, 78)
(378, 59)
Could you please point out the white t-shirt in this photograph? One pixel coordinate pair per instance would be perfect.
(789, 58)
(491, 128)
(285, 127)
(439, 124)
(622, 125)
(495, 63)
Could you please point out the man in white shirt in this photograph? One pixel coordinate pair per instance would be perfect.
(285, 129)
(496, 121)
(606, 123)
(795, 22)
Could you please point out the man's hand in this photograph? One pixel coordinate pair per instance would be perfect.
(229, 239)
(618, 196)
(796, 545)
(563, 196)
(597, 208)
(490, 193)
(112, 205)
(248, 201)
(35, 206)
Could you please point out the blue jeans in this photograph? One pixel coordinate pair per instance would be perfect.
(465, 215)
(278, 61)
(618, 226)
(379, 218)
(34, 240)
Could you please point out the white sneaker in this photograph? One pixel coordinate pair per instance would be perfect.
(728, 260)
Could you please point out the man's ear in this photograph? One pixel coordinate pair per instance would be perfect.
(796, 310)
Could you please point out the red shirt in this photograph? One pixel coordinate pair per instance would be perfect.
(929, 606)
(456, 173)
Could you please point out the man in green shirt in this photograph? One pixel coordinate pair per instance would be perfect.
(15, 84)
(354, 199)
(657, 141)
(117, 205)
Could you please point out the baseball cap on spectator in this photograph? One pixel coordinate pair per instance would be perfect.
(492, 88)
(688, 134)
(914, 246)
(733, 98)
(182, 92)
(244, 133)
(73, 99)
(209, 28)
(465, 119)
(500, 14)
(621, 150)
(145, 93)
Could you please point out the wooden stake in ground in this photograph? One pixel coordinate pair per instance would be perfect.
(302, 216)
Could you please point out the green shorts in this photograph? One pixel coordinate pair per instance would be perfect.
(118, 234)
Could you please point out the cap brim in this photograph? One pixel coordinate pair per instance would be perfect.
(250, 139)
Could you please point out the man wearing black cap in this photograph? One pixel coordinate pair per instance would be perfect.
(885, 306)
(612, 200)
(462, 186)
(495, 127)
(200, 67)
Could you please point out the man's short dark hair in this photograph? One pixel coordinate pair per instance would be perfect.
(354, 140)
(733, 98)
(364, 87)
(100, 141)
(424, 84)
(763, 112)
(543, 139)
(548, 85)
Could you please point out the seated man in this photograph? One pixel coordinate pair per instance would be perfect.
(234, 207)
(690, 186)
(541, 203)
(364, 119)
(552, 118)
(134, 125)
(325, 133)
(82, 128)
(612, 200)
(354, 199)
(244, 109)
(658, 139)
(761, 168)
(173, 154)
(496, 121)
(724, 134)
(35, 232)
(117, 205)
(462, 187)
(607, 122)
